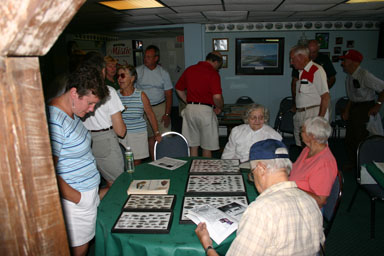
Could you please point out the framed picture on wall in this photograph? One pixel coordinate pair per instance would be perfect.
(339, 40)
(350, 44)
(323, 39)
(220, 44)
(335, 58)
(225, 61)
(337, 50)
(259, 56)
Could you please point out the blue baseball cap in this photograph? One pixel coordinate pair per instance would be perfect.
(268, 149)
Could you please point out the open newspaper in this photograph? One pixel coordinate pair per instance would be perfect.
(221, 222)
(168, 163)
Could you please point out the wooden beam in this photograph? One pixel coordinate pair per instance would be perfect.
(31, 27)
(31, 219)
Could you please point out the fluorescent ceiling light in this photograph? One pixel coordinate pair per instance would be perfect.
(363, 1)
(131, 4)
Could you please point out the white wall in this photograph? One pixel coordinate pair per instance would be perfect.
(269, 90)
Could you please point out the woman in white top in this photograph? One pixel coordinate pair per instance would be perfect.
(255, 129)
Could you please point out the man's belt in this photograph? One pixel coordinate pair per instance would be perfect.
(103, 130)
(200, 103)
(158, 103)
(306, 108)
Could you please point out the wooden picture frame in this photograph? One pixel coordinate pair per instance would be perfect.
(260, 56)
(220, 44)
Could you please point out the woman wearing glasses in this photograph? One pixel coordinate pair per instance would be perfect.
(255, 129)
(135, 103)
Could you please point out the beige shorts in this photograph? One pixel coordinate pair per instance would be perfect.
(299, 119)
(138, 143)
(159, 111)
(200, 127)
(108, 155)
(80, 218)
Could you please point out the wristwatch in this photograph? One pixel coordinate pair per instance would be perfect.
(207, 249)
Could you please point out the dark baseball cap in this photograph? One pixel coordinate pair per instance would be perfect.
(268, 149)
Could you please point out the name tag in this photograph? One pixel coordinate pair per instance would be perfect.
(304, 82)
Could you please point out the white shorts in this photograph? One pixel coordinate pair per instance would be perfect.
(138, 143)
(80, 219)
(200, 127)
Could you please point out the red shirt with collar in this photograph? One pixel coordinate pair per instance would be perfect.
(201, 81)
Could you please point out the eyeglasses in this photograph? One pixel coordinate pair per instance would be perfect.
(259, 118)
(122, 75)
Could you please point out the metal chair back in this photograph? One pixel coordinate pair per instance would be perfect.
(284, 118)
(172, 144)
(244, 100)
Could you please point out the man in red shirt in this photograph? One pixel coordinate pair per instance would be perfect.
(200, 87)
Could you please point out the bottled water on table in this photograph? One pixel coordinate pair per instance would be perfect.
(130, 166)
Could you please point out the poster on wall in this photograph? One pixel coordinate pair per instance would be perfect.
(120, 50)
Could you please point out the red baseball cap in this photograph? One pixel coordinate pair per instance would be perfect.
(353, 55)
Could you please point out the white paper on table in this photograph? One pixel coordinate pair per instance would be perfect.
(168, 163)
(380, 165)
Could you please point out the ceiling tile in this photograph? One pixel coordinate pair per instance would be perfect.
(303, 7)
(172, 3)
(313, 1)
(182, 15)
(357, 7)
(185, 9)
(254, 2)
(270, 14)
(250, 7)
(147, 11)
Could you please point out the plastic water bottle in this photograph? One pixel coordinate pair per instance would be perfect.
(130, 166)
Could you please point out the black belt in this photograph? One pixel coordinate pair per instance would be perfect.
(200, 103)
(158, 103)
(103, 130)
(306, 108)
(363, 102)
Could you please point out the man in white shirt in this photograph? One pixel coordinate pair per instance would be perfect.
(312, 94)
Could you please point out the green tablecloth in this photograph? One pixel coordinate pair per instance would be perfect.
(376, 173)
(181, 239)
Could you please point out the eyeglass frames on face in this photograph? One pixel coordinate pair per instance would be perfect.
(256, 118)
(122, 75)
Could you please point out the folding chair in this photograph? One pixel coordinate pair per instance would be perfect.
(244, 100)
(333, 202)
(370, 149)
(339, 123)
(172, 144)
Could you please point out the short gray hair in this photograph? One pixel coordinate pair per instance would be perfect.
(300, 49)
(253, 107)
(319, 128)
(275, 164)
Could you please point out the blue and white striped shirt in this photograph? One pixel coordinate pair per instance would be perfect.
(71, 143)
(133, 113)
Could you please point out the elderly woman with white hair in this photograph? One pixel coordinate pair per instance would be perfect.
(255, 129)
(315, 169)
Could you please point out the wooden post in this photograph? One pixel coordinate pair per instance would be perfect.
(31, 219)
